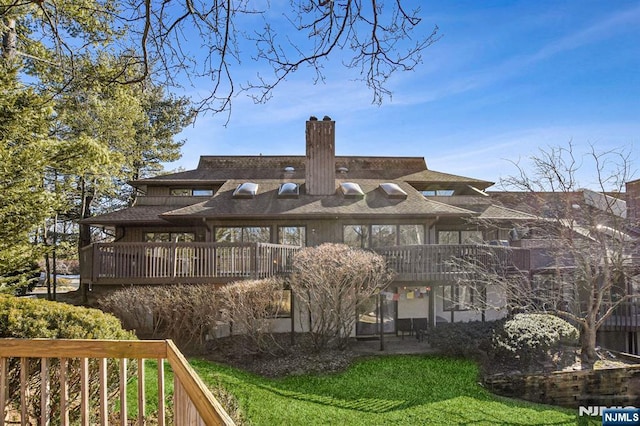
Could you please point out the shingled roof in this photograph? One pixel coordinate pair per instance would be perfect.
(218, 169)
(267, 204)
(227, 172)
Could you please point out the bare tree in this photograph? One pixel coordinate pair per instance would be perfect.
(198, 39)
(332, 282)
(581, 243)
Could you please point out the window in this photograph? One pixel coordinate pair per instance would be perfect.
(460, 237)
(256, 234)
(411, 234)
(280, 306)
(292, 235)
(243, 234)
(203, 192)
(356, 236)
(383, 235)
(438, 192)
(169, 237)
(246, 190)
(365, 236)
(188, 192)
(458, 297)
(392, 190)
(350, 189)
(289, 190)
(181, 192)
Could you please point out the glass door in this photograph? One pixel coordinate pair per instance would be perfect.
(368, 323)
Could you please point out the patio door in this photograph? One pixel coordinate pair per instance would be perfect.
(369, 318)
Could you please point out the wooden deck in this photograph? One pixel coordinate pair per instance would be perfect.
(190, 263)
(184, 263)
(442, 262)
(63, 381)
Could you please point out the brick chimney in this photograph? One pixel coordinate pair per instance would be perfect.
(632, 190)
(320, 170)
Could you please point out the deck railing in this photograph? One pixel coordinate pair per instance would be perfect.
(131, 263)
(442, 262)
(59, 361)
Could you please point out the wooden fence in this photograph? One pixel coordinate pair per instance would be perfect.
(193, 403)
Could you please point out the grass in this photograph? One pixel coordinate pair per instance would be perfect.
(407, 390)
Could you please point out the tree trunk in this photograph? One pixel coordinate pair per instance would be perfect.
(9, 40)
(84, 230)
(588, 353)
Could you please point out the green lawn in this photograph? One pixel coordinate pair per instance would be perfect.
(406, 390)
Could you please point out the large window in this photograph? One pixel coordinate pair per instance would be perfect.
(366, 236)
(356, 236)
(243, 234)
(459, 297)
(459, 237)
(169, 237)
(411, 234)
(292, 235)
(384, 235)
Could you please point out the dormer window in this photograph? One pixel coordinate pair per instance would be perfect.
(438, 193)
(246, 190)
(351, 189)
(289, 190)
(191, 192)
(392, 190)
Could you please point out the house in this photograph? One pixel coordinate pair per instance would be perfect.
(607, 226)
(239, 217)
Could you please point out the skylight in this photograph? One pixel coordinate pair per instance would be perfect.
(289, 190)
(350, 189)
(392, 190)
(246, 190)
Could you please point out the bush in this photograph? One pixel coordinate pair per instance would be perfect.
(186, 314)
(464, 339)
(21, 281)
(35, 318)
(531, 338)
(250, 307)
(333, 282)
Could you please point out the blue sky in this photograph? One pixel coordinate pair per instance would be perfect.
(506, 79)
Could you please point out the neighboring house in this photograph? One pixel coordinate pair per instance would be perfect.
(614, 216)
(239, 217)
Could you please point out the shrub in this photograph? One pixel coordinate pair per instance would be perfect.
(186, 314)
(332, 282)
(250, 306)
(530, 338)
(21, 281)
(35, 318)
(463, 339)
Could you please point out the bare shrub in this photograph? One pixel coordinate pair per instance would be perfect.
(183, 313)
(250, 306)
(332, 282)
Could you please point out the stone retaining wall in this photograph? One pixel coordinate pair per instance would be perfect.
(605, 387)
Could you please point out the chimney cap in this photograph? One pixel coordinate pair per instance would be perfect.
(326, 118)
(313, 118)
